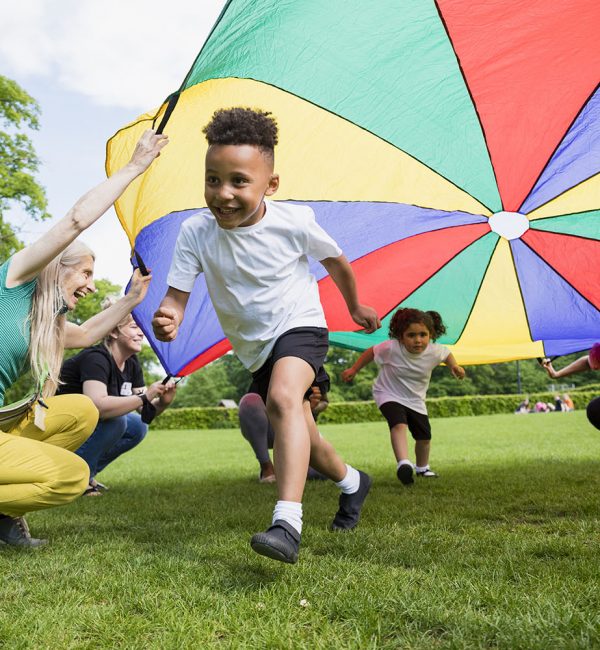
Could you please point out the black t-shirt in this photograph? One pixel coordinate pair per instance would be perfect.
(96, 363)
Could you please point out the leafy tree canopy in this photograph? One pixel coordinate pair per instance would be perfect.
(18, 161)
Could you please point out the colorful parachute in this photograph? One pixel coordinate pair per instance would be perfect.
(452, 148)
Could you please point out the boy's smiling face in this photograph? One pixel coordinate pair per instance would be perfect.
(237, 179)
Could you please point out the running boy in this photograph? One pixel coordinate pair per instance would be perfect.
(253, 253)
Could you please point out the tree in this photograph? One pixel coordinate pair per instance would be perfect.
(18, 162)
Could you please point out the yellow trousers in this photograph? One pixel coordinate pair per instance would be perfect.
(37, 468)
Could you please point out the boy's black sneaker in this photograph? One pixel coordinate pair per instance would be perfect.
(279, 542)
(348, 514)
(405, 474)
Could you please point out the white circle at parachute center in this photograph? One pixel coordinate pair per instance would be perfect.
(510, 225)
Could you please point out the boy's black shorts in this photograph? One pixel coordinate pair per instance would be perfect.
(307, 343)
(418, 423)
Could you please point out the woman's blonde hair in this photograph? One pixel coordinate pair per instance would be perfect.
(109, 301)
(48, 317)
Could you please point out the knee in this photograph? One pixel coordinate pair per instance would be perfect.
(422, 436)
(71, 480)
(86, 415)
(279, 403)
(593, 412)
(250, 405)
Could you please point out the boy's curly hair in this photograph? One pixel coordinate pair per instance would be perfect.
(405, 317)
(242, 126)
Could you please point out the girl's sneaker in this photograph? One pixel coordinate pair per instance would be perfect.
(427, 474)
(405, 474)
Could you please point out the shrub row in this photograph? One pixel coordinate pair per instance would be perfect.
(347, 412)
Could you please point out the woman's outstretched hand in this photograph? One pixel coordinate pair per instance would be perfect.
(147, 149)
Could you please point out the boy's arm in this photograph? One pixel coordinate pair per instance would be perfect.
(455, 369)
(342, 274)
(169, 316)
(365, 358)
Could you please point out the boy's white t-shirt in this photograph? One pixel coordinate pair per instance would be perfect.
(257, 276)
(404, 377)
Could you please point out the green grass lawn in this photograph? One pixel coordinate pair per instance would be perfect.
(502, 551)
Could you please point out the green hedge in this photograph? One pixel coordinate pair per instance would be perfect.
(347, 412)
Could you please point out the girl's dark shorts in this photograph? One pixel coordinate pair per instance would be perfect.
(418, 424)
(307, 343)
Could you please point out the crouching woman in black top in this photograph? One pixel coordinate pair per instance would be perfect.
(111, 376)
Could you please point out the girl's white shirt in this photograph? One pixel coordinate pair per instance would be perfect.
(404, 377)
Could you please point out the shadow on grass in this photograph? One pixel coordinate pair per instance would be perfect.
(209, 519)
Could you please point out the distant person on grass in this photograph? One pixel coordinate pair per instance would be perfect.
(590, 361)
(38, 285)
(111, 376)
(405, 363)
(254, 256)
(256, 428)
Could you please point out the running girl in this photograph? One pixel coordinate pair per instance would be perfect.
(405, 365)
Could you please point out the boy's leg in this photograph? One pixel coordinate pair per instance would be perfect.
(255, 427)
(323, 456)
(290, 379)
(135, 432)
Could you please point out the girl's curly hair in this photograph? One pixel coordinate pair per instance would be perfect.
(405, 317)
(242, 126)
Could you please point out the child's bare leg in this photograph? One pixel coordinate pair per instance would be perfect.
(323, 457)
(404, 468)
(290, 379)
(422, 448)
(398, 435)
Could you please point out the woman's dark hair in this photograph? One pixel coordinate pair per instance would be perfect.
(405, 317)
(242, 126)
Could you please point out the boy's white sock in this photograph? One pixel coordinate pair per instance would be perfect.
(351, 482)
(404, 461)
(289, 511)
(421, 469)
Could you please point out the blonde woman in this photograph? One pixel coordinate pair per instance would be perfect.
(38, 285)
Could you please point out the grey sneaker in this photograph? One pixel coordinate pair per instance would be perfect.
(279, 542)
(14, 531)
(348, 514)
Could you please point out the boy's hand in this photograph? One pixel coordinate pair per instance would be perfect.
(348, 375)
(458, 372)
(366, 317)
(165, 324)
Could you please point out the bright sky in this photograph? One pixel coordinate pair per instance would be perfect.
(94, 66)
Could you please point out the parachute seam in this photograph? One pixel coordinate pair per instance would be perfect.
(560, 141)
(560, 275)
(565, 191)
(523, 302)
(462, 250)
(487, 266)
(463, 75)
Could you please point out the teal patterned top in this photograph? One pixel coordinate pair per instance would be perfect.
(15, 305)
